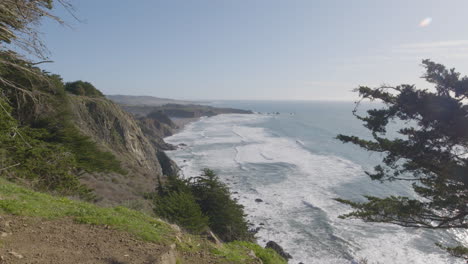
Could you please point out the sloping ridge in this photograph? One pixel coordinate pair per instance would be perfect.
(41, 228)
(118, 132)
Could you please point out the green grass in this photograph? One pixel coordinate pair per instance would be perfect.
(267, 255)
(238, 252)
(21, 201)
(233, 253)
(17, 200)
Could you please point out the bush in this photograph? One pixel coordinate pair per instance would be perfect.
(182, 209)
(45, 165)
(38, 138)
(267, 255)
(225, 216)
(87, 153)
(83, 89)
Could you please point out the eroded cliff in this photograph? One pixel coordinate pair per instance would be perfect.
(121, 134)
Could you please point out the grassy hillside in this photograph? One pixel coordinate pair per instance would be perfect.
(20, 201)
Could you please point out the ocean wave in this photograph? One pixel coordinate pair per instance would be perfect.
(297, 188)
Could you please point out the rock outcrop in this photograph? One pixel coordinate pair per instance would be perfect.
(273, 245)
(121, 134)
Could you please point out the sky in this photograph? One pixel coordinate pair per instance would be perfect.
(255, 49)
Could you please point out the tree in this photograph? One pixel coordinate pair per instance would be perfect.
(226, 216)
(83, 88)
(182, 209)
(202, 201)
(431, 151)
(19, 21)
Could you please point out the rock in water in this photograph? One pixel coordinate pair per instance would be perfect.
(273, 245)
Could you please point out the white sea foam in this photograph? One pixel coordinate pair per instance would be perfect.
(297, 188)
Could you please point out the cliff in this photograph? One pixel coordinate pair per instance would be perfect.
(121, 134)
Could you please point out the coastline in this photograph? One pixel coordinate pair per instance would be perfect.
(254, 224)
(182, 122)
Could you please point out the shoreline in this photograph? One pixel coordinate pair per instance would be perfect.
(182, 122)
(254, 224)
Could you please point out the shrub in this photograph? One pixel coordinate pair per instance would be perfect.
(83, 88)
(38, 138)
(181, 208)
(45, 165)
(207, 194)
(227, 218)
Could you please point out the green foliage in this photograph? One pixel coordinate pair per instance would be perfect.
(83, 89)
(458, 251)
(267, 255)
(238, 252)
(225, 216)
(181, 208)
(19, 23)
(175, 202)
(38, 136)
(46, 165)
(430, 151)
(87, 153)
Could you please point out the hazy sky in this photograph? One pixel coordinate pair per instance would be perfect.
(255, 49)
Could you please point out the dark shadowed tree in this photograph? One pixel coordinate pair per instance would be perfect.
(19, 36)
(431, 151)
(226, 216)
(19, 21)
(83, 88)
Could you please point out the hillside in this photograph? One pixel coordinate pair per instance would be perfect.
(119, 133)
(182, 111)
(145, 100)
(40, 228)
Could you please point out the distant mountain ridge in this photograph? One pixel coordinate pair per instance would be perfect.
(146, 100)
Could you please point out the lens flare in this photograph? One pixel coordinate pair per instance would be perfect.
(425, 22)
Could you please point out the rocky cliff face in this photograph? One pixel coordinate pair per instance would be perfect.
(118, 132)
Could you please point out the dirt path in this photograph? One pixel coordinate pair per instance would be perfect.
(32, 240)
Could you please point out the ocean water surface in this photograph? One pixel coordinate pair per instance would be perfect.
(294, 164)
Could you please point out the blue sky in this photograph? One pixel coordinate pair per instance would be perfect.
(255, 49)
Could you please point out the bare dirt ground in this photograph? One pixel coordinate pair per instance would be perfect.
(25, 240)
(31, 240)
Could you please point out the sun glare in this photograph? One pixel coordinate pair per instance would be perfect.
(425, 22)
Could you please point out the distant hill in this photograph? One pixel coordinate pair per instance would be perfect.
(141, 106)
(145, 100)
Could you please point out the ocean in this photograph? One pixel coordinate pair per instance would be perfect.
(287, 156)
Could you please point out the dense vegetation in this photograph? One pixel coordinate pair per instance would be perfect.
(83, 88)
(200, 203)
(430, 152)
(39, 141)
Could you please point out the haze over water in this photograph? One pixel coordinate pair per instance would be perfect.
(292, 162)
